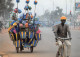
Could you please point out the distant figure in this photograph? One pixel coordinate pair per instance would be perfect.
(1, 25)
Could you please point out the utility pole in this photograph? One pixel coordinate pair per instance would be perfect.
(53, 9)
(74, 12)
(70, 13)
(74, 6)
(53, 4)
(66, 7)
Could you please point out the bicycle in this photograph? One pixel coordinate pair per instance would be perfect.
(62, 51)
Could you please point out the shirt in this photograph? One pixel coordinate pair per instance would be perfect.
(62, 31)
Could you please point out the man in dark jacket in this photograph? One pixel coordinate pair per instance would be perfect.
(61, 30)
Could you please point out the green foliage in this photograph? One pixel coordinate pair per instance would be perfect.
(55, 15)
(6, 6)
(52, 16)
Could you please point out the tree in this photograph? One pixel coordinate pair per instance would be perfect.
(6, 6)
(55, 15)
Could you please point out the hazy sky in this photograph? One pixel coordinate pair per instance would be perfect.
(47, 5)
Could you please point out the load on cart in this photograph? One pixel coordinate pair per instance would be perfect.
(24, 31)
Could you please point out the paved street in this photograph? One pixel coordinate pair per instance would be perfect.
(45, 48)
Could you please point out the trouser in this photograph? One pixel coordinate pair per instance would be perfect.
(67, 48)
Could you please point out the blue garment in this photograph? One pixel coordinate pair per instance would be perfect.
(13, 22)
(24, 16)
(17, 28)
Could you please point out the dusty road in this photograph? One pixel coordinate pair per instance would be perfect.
(45, 48)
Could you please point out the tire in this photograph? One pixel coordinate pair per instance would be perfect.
(58, 54)
(62, 52)
(17, 49)
(31, 49)
(21, 48)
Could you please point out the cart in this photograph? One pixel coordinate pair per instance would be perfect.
(24, 39)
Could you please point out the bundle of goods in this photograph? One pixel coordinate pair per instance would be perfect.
(24, 31)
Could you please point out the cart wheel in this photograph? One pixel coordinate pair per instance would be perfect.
(31, 49)
(21, 48)
(17, 49)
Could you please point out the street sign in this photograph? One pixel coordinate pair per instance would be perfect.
(77, 6)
